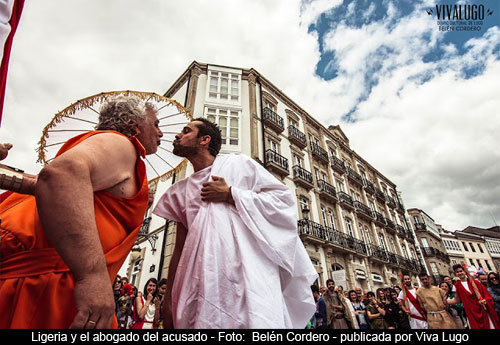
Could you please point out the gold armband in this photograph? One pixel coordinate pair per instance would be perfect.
(10, 179)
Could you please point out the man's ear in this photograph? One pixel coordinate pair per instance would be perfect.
(205, 140)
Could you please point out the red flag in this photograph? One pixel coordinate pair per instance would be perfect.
(14, 21)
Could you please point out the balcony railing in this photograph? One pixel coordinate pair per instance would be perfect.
(360, 207)
(379, 217)
(308, 227)
(143, 231)
(345, 199)
(390, 224)
(296, 136)
(345, 241)
(391, 202)
(275, 160)
(430, 251)
(326, 190)
(354, 176)
(319, 152)
(301, 175)
(337, 165)
(369, 186)
(273, 119)
(420, 226)
(379, 194)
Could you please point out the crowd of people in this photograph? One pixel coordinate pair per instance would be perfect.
(139, 309)
(454, 303)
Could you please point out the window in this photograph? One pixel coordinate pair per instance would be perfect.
(453, 261)
(465, 246)
(349, 227)
(298, 161)
(293, 123)
(415, 218)
(332, 218)
(228, 121)
(224, 86)
(136, 269)
(381, 239)
(472, 247)
(434, 268)
(323, 215)
(480, 248)
(340, 186)
(271, 145)
(332, 152)
(424, 242)
(488, 265)
(304, 207)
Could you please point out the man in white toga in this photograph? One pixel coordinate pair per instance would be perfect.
(238, 261)
(417, 314)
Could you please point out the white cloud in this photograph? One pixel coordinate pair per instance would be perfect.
(423, 126)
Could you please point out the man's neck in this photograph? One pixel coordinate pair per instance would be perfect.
(200, 162)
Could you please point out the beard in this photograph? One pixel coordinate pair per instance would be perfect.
(185, 151)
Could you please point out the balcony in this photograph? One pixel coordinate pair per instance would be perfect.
(390, 225)
(400, 208)
(379, 218)
(380, 195)
(326, 191)
(296, 137)
(319, 233)
(369, 187)
(354, 177)
(430, 251)
(277, 163)
(337, 165)
(319, 153)
(391, 202)
(420, 227)
(302, 177)
(363, 210)
(273, 120)
(143, 231)
(377, 253)
(345, 200)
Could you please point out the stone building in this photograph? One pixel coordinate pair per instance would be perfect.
(351, 217)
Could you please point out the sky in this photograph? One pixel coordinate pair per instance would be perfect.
(420, 104)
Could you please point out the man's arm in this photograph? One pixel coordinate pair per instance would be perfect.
(65, 202)
(180, 239)
(17, 181)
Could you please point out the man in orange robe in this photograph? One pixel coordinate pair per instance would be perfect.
(62, 246)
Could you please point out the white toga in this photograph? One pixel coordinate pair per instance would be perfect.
(242, 266)
(414, 323)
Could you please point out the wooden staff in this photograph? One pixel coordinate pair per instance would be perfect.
(474, 286)
(405, 298)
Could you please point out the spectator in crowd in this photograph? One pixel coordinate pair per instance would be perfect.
(483, 278)
(397, 289)
(360, 295)
(477, 301)
(162, 289)
(359, 310)
(375, 312)
(322, 289)
(448, 280)
(399, 316)
(145, 311)
(124, 314)
(320, 314)
(494, 289)
(334, 307)
(384, 303)
(117, 290)
(433, 302)
(456, 310)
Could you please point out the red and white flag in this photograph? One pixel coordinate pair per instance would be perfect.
(10, 14)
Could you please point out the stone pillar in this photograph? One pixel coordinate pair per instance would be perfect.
(254, 118)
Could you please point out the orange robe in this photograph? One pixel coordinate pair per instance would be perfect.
(36, 287)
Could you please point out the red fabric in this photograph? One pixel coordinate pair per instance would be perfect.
(417, 306)
(128, 289)
(477, 315)
(17, 9)
(36, 287)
